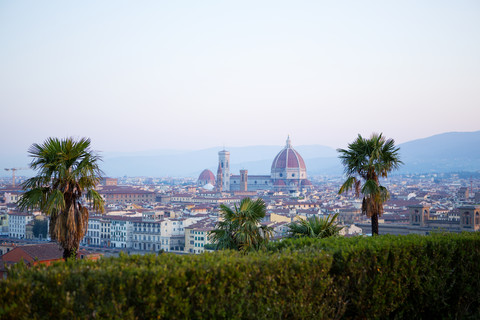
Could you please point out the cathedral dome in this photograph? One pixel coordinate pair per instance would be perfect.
(206, 177)
(288, 164)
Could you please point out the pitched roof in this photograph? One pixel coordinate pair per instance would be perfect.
(32, 252)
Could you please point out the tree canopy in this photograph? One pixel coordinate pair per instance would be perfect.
(240, 228)
(64, 187)
(365, 161)
(315, 227)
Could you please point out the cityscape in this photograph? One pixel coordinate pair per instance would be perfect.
(151, 215)
(239, 160)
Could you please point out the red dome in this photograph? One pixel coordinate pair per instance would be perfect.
(207, 176)
(288, 158)
(279, 183)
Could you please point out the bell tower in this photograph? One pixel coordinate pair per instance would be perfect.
(224, 166)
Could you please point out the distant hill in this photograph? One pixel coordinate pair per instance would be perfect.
(256, 159)
(446, 152)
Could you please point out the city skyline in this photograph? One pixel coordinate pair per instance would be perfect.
(135, 77)
(442, 153)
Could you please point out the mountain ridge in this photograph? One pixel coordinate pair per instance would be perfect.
(449, 151)
(444, 152)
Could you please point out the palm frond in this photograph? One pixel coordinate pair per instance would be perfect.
(66, 170)
(315, 227)
(367, 160)
(240, 228)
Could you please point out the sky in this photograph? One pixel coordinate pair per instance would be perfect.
(143, 75)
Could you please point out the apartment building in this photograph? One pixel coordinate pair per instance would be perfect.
(92, 236)
(124, 195)
(121, 232)
(197, 235)
(17, 222)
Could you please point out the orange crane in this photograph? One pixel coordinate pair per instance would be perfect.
(13, 173)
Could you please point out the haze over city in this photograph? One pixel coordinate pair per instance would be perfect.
(192, 75)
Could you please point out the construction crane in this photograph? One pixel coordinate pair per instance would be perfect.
(13, 173)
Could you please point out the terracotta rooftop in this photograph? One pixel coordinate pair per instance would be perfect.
(39, 252)
(288, 158)
(207, 176)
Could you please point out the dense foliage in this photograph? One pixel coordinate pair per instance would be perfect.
(396, 277)
(40, 228)
(240, 228)
(315, 227)
(67, 170)
(365, 161)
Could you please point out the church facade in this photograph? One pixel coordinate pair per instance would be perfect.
(288, 174)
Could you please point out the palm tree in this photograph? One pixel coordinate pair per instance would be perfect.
(367, 160)
(315, 227)
(240, 228)
(67, 171)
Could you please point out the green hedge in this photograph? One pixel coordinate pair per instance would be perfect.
(403, 277)
(434, 277)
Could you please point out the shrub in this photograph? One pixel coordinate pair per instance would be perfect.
(401, 276)
(381, 277)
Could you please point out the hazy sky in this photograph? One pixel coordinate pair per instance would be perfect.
(137, 75)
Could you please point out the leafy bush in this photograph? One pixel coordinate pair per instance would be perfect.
(240, 228)
(401, 276)
(381, 277)
(315, 227)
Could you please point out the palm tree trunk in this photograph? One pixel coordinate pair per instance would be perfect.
(69, 253)
(375, 224)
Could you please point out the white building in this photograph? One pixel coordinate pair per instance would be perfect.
(121, 232)
(151, 232)
(173, 234)
(17, 221)
(146, 235)
(165, 234)
(105, 232)
(92, 236)
(12, 197)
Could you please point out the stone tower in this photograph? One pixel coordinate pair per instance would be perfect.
(224, 166)
(469, 218)
(419, 215)
(243, 180)
(219, 183)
